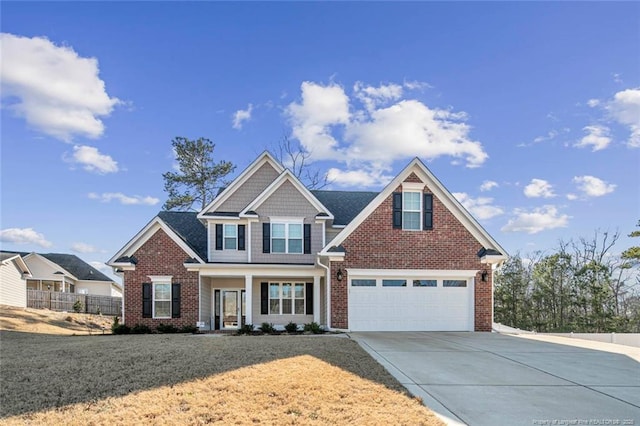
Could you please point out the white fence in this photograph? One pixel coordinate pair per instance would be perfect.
(627, 339)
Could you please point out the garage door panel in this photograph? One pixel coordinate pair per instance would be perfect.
(410, 308)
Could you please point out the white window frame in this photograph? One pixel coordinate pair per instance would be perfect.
(224, 236)
(155, 281)
(287, 239)
(405, 210)
(293, 298)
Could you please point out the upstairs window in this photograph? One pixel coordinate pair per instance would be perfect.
(230, 237)
(411, 210)
(286, 237)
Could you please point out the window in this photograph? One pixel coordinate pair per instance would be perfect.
(162, 300)
(286, 237)
(230, 237)
(286, 298)
(411, 210)
(394, 283)
(363, 283)
(454, 283)
(425, 283)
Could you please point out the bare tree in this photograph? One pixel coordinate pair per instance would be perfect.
(292, 155)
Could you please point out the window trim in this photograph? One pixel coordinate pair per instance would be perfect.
(406, 191)
(293, 298)
(224, 236)
(161, 280)
(287, 239)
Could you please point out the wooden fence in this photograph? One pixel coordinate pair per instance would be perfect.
(91, 304)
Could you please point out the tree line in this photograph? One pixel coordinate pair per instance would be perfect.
(581, 286)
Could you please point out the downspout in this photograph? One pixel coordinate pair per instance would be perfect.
(327, 282)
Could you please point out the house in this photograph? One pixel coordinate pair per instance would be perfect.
(267, 249)
(13, 274)
(65, 273)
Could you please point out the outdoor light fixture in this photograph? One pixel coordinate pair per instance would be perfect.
(339, 274)
(484, 276)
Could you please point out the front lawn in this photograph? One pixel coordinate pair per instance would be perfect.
(187, 379)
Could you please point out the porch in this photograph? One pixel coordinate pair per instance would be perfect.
(275, 294)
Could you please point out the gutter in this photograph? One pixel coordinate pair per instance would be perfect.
(328, 288)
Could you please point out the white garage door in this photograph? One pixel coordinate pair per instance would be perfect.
(411, 303)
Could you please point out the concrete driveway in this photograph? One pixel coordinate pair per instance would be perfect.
(495, 379)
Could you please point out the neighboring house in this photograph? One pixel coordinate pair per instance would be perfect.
(267, 249)
(66, 273)
(13, 275)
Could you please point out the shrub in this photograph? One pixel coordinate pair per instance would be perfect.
(77, 307)
(140, 329)
(292, 327)
(189, 329)
(267, 327)
(167, 328)
(116, 323)
(121, 329)
(313, 327)
(246, 329)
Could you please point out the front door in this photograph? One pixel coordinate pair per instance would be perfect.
(233, 309)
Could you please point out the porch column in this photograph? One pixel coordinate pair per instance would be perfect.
(248, 294)
(316, 299)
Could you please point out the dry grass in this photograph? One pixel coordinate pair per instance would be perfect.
(51, 322)
(185, 379)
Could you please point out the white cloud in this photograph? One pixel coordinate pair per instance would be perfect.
(241, 116)
(57, 91)
(488, 185)
(597, 137)
(572, 197)
(24, 236)
(107, 197)
(100, 266)
(592, 186)
(479, 207)
(385, 129)
(625, 109)
(537, 220)
(593, 102)
(358, 178)
(83, 248)
(417, 85)
(539, 188)
(92, 160)
(373, 97)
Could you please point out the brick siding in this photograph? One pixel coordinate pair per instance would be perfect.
(160, 255)
(376, 245)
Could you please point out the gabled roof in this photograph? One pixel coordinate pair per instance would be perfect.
(345, 205)
(224, 195)
(286, 176)
(451, 203)
(76, 266)
(6, 257)
(183, 228)
(187, 226)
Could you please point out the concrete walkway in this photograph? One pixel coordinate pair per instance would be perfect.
(495, 379)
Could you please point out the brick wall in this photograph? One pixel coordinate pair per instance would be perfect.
(160, 255)
(376, 245)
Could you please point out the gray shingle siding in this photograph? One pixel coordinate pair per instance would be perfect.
(250, 189)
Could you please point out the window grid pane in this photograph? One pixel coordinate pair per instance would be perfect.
(286, 306)
(295, 230)
(454, 283)
(394, 283)
(286, 291)
(278, 245)
(295, 246)
(163, 309)
(277, 230)
(300, 306)
(363, 283)
(411, 201)
(230, 230)
(162, 292)
(425, 283)
(411, 220)
(299, 290)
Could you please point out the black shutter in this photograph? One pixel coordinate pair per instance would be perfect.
(397, 210)
(218, 236)
(216, 311)
(241, 237)
(175, 300)
(146, 300)
(307, 238)
(309, 298)
(266, 238)
(264, 298)
(428, 211)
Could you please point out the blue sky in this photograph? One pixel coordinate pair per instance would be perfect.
(528, 112)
